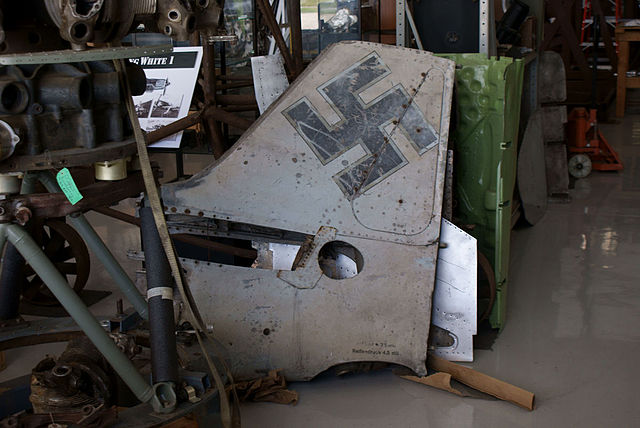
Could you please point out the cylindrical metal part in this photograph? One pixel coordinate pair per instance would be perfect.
(112, 266)
(77, 309)
(164, 356)
(144, 7)
(93, 241)
(12, 265)
(14, 97)
(10, 280)
(66, 91)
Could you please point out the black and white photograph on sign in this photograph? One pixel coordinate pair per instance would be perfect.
(167, 107)
(171, 80)
(143, 109)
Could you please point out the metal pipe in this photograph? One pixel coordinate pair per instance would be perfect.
(77, 309)
(272, 24)
(162, 337)
(91, 238)
(12, 266)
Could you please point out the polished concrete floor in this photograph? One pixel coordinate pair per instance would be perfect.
(572, 334)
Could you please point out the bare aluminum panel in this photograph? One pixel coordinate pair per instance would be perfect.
(455, 297)
(354, 151)
(269, 79)
(358, 142)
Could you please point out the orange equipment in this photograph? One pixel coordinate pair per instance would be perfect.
(587, 146)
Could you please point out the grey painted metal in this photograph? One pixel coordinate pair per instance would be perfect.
(532, 177)
(98, 54)
(77, 309)
(455, 297)
(269, 79)
(93, 241)
(297, 169)
(400, 22)
(304, 169)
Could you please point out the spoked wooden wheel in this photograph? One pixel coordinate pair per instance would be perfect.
(67, 251)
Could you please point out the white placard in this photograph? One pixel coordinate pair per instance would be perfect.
(171, 79)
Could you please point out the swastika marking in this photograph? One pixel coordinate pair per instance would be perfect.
(362, 124)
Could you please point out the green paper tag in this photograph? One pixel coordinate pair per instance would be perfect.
(68, 186)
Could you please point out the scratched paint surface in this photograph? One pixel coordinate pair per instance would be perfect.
(328, 153)
(326, 159)
(362, 124)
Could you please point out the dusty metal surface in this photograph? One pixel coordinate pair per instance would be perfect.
(352, 155)
(360, 168)
(269, 79)
(455, 299)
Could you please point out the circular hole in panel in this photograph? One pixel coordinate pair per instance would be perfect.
(340, 260)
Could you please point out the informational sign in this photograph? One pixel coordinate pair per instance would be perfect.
(171, 79)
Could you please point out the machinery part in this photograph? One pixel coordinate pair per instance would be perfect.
(486, 157)
(509, 25)
(8, 138)
(380, 167)
(584, 137)
(76, 308)
(98, 247)
(88, 417)
(97, 21)
(111, 170)
(78, 378)
(105, 21)
(580, 165)
(162, 324)
(11, 271)
(455, 303)
(10, 281)
(62, 106)
(153, 196)
(9, 184)
(67, 251)
(532, 177)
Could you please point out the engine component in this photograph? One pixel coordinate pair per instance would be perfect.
(61, 106)
(104, 21)
(358, 167)
(112, 170)
(79, 377)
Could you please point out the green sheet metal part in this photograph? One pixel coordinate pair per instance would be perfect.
(488, 94)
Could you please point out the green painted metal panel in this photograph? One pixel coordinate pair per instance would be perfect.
(488, 94)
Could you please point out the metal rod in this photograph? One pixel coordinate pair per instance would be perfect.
(12, 267)
(209, 73)
(272, 24)
(412, 25)
(173, 128)
(91, 238)
(295, 34)
(77, 309)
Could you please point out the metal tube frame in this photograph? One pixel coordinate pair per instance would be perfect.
(82, 226)
(76, 308)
